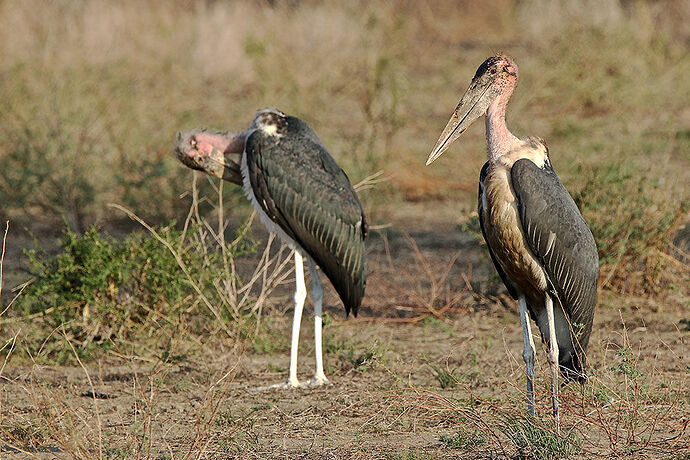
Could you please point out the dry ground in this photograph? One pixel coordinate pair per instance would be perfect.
(386, 366)
(93, 93)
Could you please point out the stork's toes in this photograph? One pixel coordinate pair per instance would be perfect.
(318, 380)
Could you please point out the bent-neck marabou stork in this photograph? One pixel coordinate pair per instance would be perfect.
(537, 238)
(303, 196)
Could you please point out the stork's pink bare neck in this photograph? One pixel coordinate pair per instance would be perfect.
(499, 139)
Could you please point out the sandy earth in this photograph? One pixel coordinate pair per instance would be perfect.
(385, 400)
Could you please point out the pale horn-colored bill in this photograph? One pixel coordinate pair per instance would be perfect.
(472, 105)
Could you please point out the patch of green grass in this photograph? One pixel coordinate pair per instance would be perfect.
(409, 454)
(538, 438)
(626, 230)
(119, 453)
(464, 440)
(445, 377)
(226, 418)
(431, 321)
(267, 342)
(98, 288)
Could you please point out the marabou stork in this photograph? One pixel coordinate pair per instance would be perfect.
(303, 196)
(537, 238)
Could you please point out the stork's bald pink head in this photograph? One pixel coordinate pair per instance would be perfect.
(211, 152)
(495, 78)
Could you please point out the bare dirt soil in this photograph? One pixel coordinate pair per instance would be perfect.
(417, 332)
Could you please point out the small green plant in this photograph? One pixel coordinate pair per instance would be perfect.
(445, 377)
(464, 440)
(684, 324)
(347, 354)
(627, 366)
(226, 418)
(368, 359)
(634, 378)
(538, 438)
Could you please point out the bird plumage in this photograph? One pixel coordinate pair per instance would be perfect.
(540, 244)
(303, 196)
(302, 189)
(558, 236)
(548, 231)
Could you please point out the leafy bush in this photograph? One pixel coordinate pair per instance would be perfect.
(102, 289)
(630, 217)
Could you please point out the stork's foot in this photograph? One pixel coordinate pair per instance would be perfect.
(318, 380)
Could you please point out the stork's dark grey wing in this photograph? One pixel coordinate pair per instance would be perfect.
(301, 188)
(480, 209)
(560, 239)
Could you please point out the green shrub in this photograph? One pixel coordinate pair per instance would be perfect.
(100, 289)
(629, 214)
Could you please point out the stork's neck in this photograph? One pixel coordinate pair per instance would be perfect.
(499, 139)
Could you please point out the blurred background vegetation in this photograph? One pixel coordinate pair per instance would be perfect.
(92, 94)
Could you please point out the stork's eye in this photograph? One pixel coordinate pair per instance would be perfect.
(493, 70)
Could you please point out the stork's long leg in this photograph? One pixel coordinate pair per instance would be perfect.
(317, 296)
(553, 359)
(300, 297)
(527, 351)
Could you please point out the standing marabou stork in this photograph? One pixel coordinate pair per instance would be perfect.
(302, 195)
(537, 238)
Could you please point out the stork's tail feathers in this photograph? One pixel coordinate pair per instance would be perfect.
(351, 296)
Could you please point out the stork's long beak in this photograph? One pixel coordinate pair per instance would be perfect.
(473, 104)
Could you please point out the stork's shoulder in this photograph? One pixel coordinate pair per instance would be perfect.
(531, 148)
(537, 143)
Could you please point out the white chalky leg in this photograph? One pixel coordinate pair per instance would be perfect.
(553, 360)
(300, 296)
(527, 351)
(317, 295)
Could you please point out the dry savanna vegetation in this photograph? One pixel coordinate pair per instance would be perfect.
(142, 303)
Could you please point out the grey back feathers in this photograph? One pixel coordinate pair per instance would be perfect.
(303, 190)
(560, 239)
